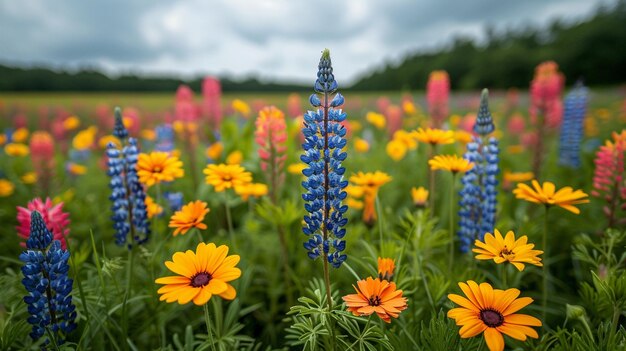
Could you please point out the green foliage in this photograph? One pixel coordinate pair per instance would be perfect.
(313, 327)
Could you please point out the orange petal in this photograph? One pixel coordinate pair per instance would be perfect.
(494, 339)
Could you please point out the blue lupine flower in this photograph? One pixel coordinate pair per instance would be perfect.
(572, 127)
(324, 139)
(45, 278)
(119, 130)
(164, 138)
(130, 215)
(175, 200)
(477, 212)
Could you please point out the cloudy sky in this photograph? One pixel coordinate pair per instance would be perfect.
(273, 39)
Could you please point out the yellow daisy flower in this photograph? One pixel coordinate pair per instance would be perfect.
(234, 158)
(6, 188)
(548, 195)
(215, 150)
(376, 119)
(420, 196)
(16, 150)
(507, 249)
(361, 145)
(200, 275)
(152, 208)
(157, 167)
(224, 176)
(396, 150)
(451, 163)
(434, 136)
(20, 135)
(29, 178)
(251, 189)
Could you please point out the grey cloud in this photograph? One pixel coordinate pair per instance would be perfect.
(271, 38)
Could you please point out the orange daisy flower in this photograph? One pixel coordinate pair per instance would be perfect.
(492, 312)
(190, 216)
(374, 295)
(200, 275)
(386, 266)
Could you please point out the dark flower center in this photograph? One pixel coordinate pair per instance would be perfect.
(374, 300)
(491, 318)
(200, 279)
(506, 253)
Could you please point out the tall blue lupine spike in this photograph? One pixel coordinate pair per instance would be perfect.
(119, 130)
(575, 109)
(477, 211)
(324, 140)
(130, 215)
(49, 289)
(484, 122)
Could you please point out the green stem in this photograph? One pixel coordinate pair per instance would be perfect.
(431, 181)
(129, 277)
(380, 224)
(583, 320)
(504, 277)
(425, 282)
(207, 320)
(229, 222)
(199, 235)
(546, 270)
(451, 225)
(330, 303)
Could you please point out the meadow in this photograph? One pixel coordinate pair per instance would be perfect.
(338, 234)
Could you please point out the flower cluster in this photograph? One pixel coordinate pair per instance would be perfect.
(271, 137)
(324, 184)
(572, 126)
(477, 214)
(45, 278)
(130, 215)
(437, 95)
(609, 178)
(53, 216)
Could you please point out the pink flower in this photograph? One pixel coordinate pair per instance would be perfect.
(516, 125)
(56, 220)
(185, 109)
(609, 177)
(211, 101)
(271, 137)
(294, 105)
(545, 94)
(437, 96)
(382, 103)
(394, 118)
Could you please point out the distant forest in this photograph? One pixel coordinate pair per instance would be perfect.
(594, 50)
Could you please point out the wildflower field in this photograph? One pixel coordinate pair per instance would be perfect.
(324, 221)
